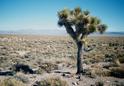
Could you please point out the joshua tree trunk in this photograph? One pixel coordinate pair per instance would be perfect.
(79, 61)
(71, 32)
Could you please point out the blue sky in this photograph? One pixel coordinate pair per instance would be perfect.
(42, 14)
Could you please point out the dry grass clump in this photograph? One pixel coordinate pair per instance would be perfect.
(103, 72)
(47, 66)
(11, 82)
(21, 77)
(56, 81)
(100, 72)
(97, 69)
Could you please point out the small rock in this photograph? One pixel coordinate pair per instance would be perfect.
(78, 77)
(107, 81)
(63, 74)
(74, 83)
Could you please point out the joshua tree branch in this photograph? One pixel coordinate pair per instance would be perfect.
(71, 32)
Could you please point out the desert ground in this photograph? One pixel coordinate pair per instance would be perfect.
(34, 60)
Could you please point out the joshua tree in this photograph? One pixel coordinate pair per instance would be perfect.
(79, 24)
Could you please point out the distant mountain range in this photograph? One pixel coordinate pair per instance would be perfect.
(110, 34)
(53, 32)
(35, 32)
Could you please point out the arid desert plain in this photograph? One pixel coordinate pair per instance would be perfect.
(32, 60)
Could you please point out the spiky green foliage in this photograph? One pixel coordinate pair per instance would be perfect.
(86, 12)
(84, 23)
(101, 28)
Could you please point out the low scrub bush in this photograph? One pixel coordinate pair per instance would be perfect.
(52, 82)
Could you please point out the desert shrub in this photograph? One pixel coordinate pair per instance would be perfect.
(99, 83)
(113, 44)
(21, 77)
(87, 61)
(39, 71)
(52, 82)
(117, 83)
(11, 82)
(47, 66)
(109, 57)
